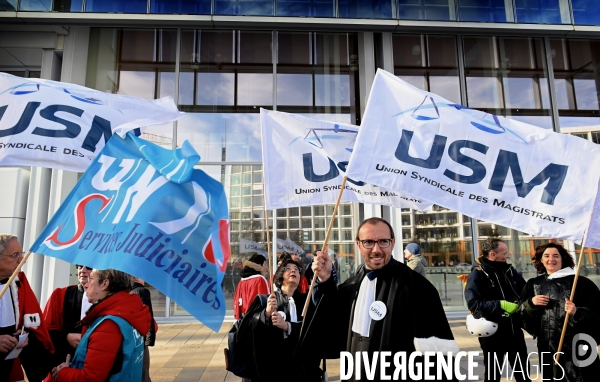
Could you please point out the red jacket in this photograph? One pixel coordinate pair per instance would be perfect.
(247, 289)
(105, 342)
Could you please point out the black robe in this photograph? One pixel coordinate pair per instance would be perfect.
(414, 311)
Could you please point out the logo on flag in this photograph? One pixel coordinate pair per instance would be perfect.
(144, 210)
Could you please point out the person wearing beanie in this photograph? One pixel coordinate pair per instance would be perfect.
(492, 292)
(414, 260)
(251, 285)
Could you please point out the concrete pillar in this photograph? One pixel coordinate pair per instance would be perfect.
(74, 67)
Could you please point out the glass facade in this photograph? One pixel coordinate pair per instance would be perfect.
(222, 77)
(578, 12)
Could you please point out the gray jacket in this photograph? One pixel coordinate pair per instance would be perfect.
(417, 263)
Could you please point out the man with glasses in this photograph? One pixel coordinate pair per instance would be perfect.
(20, 313)
(492, 292)
(65, 308)
(385, 307)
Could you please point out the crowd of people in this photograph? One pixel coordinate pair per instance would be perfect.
(100, 329)
(414, 318)
(97, 330)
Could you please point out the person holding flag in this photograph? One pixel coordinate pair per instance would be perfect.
(387, 286)
(545, 303)
(20, 318)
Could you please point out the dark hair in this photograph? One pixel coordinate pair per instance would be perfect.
(490, 245)
(118, 281)
(278, 278)
(285, 256)
(566, 259)
(374, 221)
(257, 259)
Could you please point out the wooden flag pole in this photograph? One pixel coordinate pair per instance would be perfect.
(271, 270)
(15, 273)
(314, 279)
(566, 323)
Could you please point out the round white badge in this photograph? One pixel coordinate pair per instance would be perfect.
(377, 310)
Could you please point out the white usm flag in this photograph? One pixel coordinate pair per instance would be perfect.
(305, 160)
(250, 246)
(488, 167)
(64, 126)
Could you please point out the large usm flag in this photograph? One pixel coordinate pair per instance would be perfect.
(146, 211)
(484, 166)
(64, 126)
(305, 160)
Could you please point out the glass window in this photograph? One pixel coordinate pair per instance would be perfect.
(345, 209)
(233, 136)
(482, 10)
(137, 84)
(215, 88)
(332, 90)
(576, 77)
(294, 89)
(306, 223)
(319, 235)
(360, 9)
(281, 224)
(305, 212)
(429, 63)
(347, 223)
(35, 5)
(281, 213)
(540, 11)
(8, 5)
(188, 7)
(244, 7)
(294, 211)
(255, 47)
(319, 223)
(424, 9)
(311, 8)
(506, 73)
(255, 89)
(586, 12)
(116, 6)
(294, 223)
(319, 210)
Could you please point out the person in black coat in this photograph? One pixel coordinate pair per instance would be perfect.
(492, 292)
(139, 289)
(414, 318)
(278, 331)
(545, 304)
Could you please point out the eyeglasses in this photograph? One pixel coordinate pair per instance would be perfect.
(382, 243)
(86, 267)
(15, 255)
(291, 269)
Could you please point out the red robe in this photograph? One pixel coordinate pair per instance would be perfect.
(246, 291)
(30, 317)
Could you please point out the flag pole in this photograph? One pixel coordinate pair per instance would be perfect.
(314, 279)
(566, 323)
(268, 241)
(15, 273)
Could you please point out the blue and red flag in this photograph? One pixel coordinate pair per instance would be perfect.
(145, 210)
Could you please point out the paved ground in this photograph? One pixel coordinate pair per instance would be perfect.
(190, 352)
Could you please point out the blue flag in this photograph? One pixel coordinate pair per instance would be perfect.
(145, 210)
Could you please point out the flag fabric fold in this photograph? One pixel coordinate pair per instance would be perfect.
(305, 161)
(488, 167)
(64, 126)
(144, 210)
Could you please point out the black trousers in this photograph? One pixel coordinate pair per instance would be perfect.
(499, 346)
